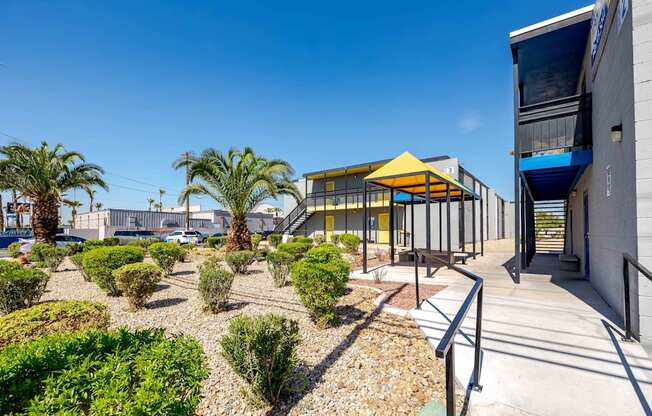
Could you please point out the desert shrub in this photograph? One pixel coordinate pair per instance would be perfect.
(296, 249)
(20, 287)
(335, 239)
(255, 240)
(99, 372)
(263, 351)
(73, 248)
(214, 285)
(14, 249)
(144, 243)
(278, 263)
(78, 261)
(137, 281)
(93, 244)
(305, 240)
(53, 257)
(275, 239)
(100, 263)
(165, 255)
(52, 318)
(319, 239)
(239, 261)
(111, 241)
(320, 280)
(350, 242)
(216, 242)
(36, 252)
(7, 266)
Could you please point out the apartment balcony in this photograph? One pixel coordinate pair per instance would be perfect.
(348, 199)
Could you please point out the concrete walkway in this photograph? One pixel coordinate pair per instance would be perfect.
(551, 345)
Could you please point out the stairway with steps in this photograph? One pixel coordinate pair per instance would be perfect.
(550, 226)
(295, 219)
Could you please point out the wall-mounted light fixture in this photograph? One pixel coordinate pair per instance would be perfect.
(617, 133)
(574, 193)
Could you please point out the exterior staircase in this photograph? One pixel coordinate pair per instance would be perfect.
(295, 219)
(550, 226)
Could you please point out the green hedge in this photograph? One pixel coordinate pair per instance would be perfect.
(93, 244)
(138, 281)
(100, 263)
(296, 249)
(14, 249)
(20, 287)
(305, 240)
(145, 243)
(239, 261)
(36, 252)
(165, 255)
(216, 242)
(214, 285)
(350, 242)
(53, 257)
(102, 373)
(52, 318)
(275, 239)
(279, 263)
(111, 241)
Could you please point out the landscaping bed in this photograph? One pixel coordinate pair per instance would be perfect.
(370, 363)
(401, 295)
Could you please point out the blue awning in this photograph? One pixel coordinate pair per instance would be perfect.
(552, 177)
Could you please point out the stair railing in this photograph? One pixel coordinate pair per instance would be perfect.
(291, 217)
(627, 261)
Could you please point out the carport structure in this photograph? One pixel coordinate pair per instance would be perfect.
(413, 182)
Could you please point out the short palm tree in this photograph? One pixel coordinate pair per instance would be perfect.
(238, 181)
(158, 206)
(150, 201)
(161, 192)
(73, 205)
(46, 174)
(98, 206)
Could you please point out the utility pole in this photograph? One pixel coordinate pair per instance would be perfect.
(187, 156)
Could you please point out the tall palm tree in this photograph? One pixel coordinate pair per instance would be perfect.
(91, 197)
(161, 192)
(46, 174)
(98, 206)
(238, 181)
(150, 201)
(73, 205)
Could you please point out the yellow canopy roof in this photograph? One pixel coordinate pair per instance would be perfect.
(408, 174)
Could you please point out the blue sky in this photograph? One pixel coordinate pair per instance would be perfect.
(321, 84)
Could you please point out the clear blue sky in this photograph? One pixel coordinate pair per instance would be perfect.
(320, 84)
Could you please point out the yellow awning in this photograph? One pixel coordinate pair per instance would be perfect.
(408, 174)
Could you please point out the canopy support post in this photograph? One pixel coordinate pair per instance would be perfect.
(441, 246)
(481, 222)
(463, 219)
(473, 220)
(448, 221)
(364, 228)
(412, 224)
(428, 270)
(391, 226)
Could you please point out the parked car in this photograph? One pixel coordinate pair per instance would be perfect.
(62, 240)
(126, 236)
(185, 237)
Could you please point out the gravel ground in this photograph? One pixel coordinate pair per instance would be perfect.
(371, 364)
(401, 295)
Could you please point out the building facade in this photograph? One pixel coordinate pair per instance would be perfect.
(332, 204)
(583, 139)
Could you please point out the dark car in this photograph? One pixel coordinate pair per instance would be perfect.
(126, 236)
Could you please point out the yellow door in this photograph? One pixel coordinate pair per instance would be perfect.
(383, 228)
(330, 186)
(330, 227)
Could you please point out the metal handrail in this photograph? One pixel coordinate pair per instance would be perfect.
(293, 215)
(627, 260)
(446, 347)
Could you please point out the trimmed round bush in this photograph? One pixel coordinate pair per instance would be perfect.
(7, 265)
(279, 263)
(320, 280)
(239, 261)
(263, 351)
(99, 372)
(275, 239)
(93, 244)
(14, 249)
(100, 263)
(214, 285)
(165, 255)
(350, 242)
(36, 252)
(319, 239)
(137, 282)
(111, 241)
(305, 240)
(144, 243)
(255, 241)
(78, 261)
(20, 287)
(216, 242)
(52, 318)
(53, 257)
(335, 239)
(296, 249)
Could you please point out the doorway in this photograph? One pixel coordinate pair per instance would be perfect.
(587, 235)
(330, 227)
(383, 228)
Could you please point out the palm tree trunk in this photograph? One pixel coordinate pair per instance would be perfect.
(239, 237)
(45, 220)
(2, 215)
(91, 203)
(14, 197)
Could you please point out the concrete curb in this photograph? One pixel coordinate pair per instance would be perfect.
(380, 302)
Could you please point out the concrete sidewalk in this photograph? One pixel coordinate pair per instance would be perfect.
(551, 345)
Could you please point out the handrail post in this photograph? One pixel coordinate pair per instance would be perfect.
(450, 381)
(478, 342)
(628, 313)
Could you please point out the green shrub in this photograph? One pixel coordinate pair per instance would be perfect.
(73, 248)
(53, 257)
(214, 285)
(350, 242)
(36, 252)
(14, 249)
(137, 281)
(296, 249)
(263, 351)
(52, 318)
(78, 261)
(335, 239)
(238, 261)
(216, 242)
(21, 287)
(275, 239)
(165, 255)
(100, 263)
(93, 244)
(319, 239)
(145, 243)
(305, 240)
(278, 263)
(7, 266)
(96, 372)
(255, 240)
(111, 241)
(320, 280)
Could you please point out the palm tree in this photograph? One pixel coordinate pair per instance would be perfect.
(158, 206)
(161, 192)
(98, 206)
(91, 197)
(150, 201)
(273, 210)
(73, 205)
(238, 181)
(46, 174)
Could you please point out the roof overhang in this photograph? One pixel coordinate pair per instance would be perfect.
(550, 25)
(553, 176)
(360, 168)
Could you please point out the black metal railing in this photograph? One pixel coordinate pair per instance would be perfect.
(446, 347)
(555, 125)
(627, 261)
(344, 198)
(289, 219)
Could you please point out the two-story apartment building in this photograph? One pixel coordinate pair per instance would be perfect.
(332, 204)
